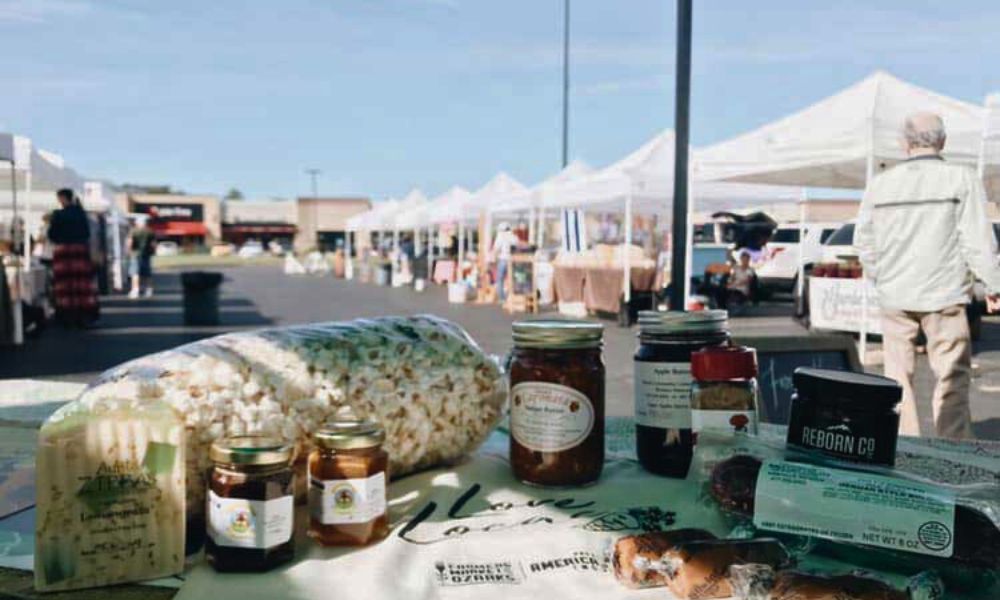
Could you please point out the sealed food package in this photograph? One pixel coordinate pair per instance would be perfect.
(700, 570)
(422, 378)
(761, 582)
(635, 556)
(110, 497)
(903, 523)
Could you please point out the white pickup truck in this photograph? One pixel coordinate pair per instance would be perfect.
(780, 271)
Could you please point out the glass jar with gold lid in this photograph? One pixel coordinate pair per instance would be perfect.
(557, 402)
(348, 472)
(251, 504)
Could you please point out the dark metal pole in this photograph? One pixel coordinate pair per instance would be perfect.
(565, 111)
(682, 121)
(313, 173)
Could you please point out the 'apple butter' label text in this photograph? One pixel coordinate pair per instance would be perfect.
(663, 394)
(344, 501)
(547, 417)
(241, 523)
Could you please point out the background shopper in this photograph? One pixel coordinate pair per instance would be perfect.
(73, 283)
(922, 233)
(503, 247)
(141, 245)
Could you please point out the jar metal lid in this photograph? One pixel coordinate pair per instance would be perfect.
(250, 450)
(350, 435)
(557, 334)
(702, 321)
(860, 389)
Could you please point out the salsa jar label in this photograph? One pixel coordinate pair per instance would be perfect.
(733, 421)
(346, 501)
(241, 523)
(663, 394)
(855, 507)
(548, 417)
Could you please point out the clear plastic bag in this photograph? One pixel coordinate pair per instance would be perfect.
(437, 394)
(876, 517)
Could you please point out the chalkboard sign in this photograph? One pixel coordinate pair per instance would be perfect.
(778, 357)
(522, 275)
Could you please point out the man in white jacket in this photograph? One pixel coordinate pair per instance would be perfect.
(923, 235)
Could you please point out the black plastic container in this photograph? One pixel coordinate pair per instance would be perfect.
(845, 415)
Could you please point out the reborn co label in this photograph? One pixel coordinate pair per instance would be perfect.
(547, 417)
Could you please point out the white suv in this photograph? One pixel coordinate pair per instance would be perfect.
(780, 271)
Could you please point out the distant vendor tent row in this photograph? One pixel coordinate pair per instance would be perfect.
(838, 142)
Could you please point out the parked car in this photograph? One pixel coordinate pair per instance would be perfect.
(780, 271)
(840, 247)
(167, 248)
(251, 249)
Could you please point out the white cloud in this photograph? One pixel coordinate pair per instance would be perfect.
(41, 11)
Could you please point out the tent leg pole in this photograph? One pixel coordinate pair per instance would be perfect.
(626, 254)
(682, 122)
(16, 289)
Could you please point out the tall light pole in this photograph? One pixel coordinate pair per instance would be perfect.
(565, 107)
(313, 174)
(682, 122)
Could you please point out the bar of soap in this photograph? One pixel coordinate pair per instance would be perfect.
(700, 570)
(110, 497)
(635, 555)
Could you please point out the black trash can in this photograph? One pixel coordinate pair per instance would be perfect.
(201, 297)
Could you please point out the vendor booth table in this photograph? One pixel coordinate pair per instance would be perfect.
(581, 290)
(520, 541)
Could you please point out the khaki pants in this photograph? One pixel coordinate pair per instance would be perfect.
(949, 351)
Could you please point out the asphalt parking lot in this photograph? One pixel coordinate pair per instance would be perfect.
(262, 296)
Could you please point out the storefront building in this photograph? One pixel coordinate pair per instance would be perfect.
(264, 221)
(189, 220)
(323, 221)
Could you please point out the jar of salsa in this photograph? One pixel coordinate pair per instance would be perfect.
(251, 498)
(348, 471)
(557, 402)
(664, 442)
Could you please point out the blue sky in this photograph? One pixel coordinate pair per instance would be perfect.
(384, 95)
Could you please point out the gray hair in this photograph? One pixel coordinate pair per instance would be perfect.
(924, 130)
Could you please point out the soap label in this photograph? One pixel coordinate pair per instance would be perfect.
(663, 394)
(344, 501)
(241, 523)
(548, 417)
(853, 507)
(732, 421)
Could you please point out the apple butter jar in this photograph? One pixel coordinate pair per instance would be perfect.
(664, 441)
(250, 504)
(557, 402)
(846, 415)
(347, 484)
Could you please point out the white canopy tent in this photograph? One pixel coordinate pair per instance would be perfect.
(642, 183)
(446, 208)
(989, 151)
(531, 200)
(841, 141)
(374, 219)
(29, 181)
(500, 186)
(838, 141)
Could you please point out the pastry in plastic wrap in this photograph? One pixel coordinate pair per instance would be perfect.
(635, 556)
(700, 570)
(434, 391)
(760, 582)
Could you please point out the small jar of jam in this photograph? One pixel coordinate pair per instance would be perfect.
(251, 504)
(348, 471)
(664, 443)
(557, 402)
(724, 392)
(846, 415)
